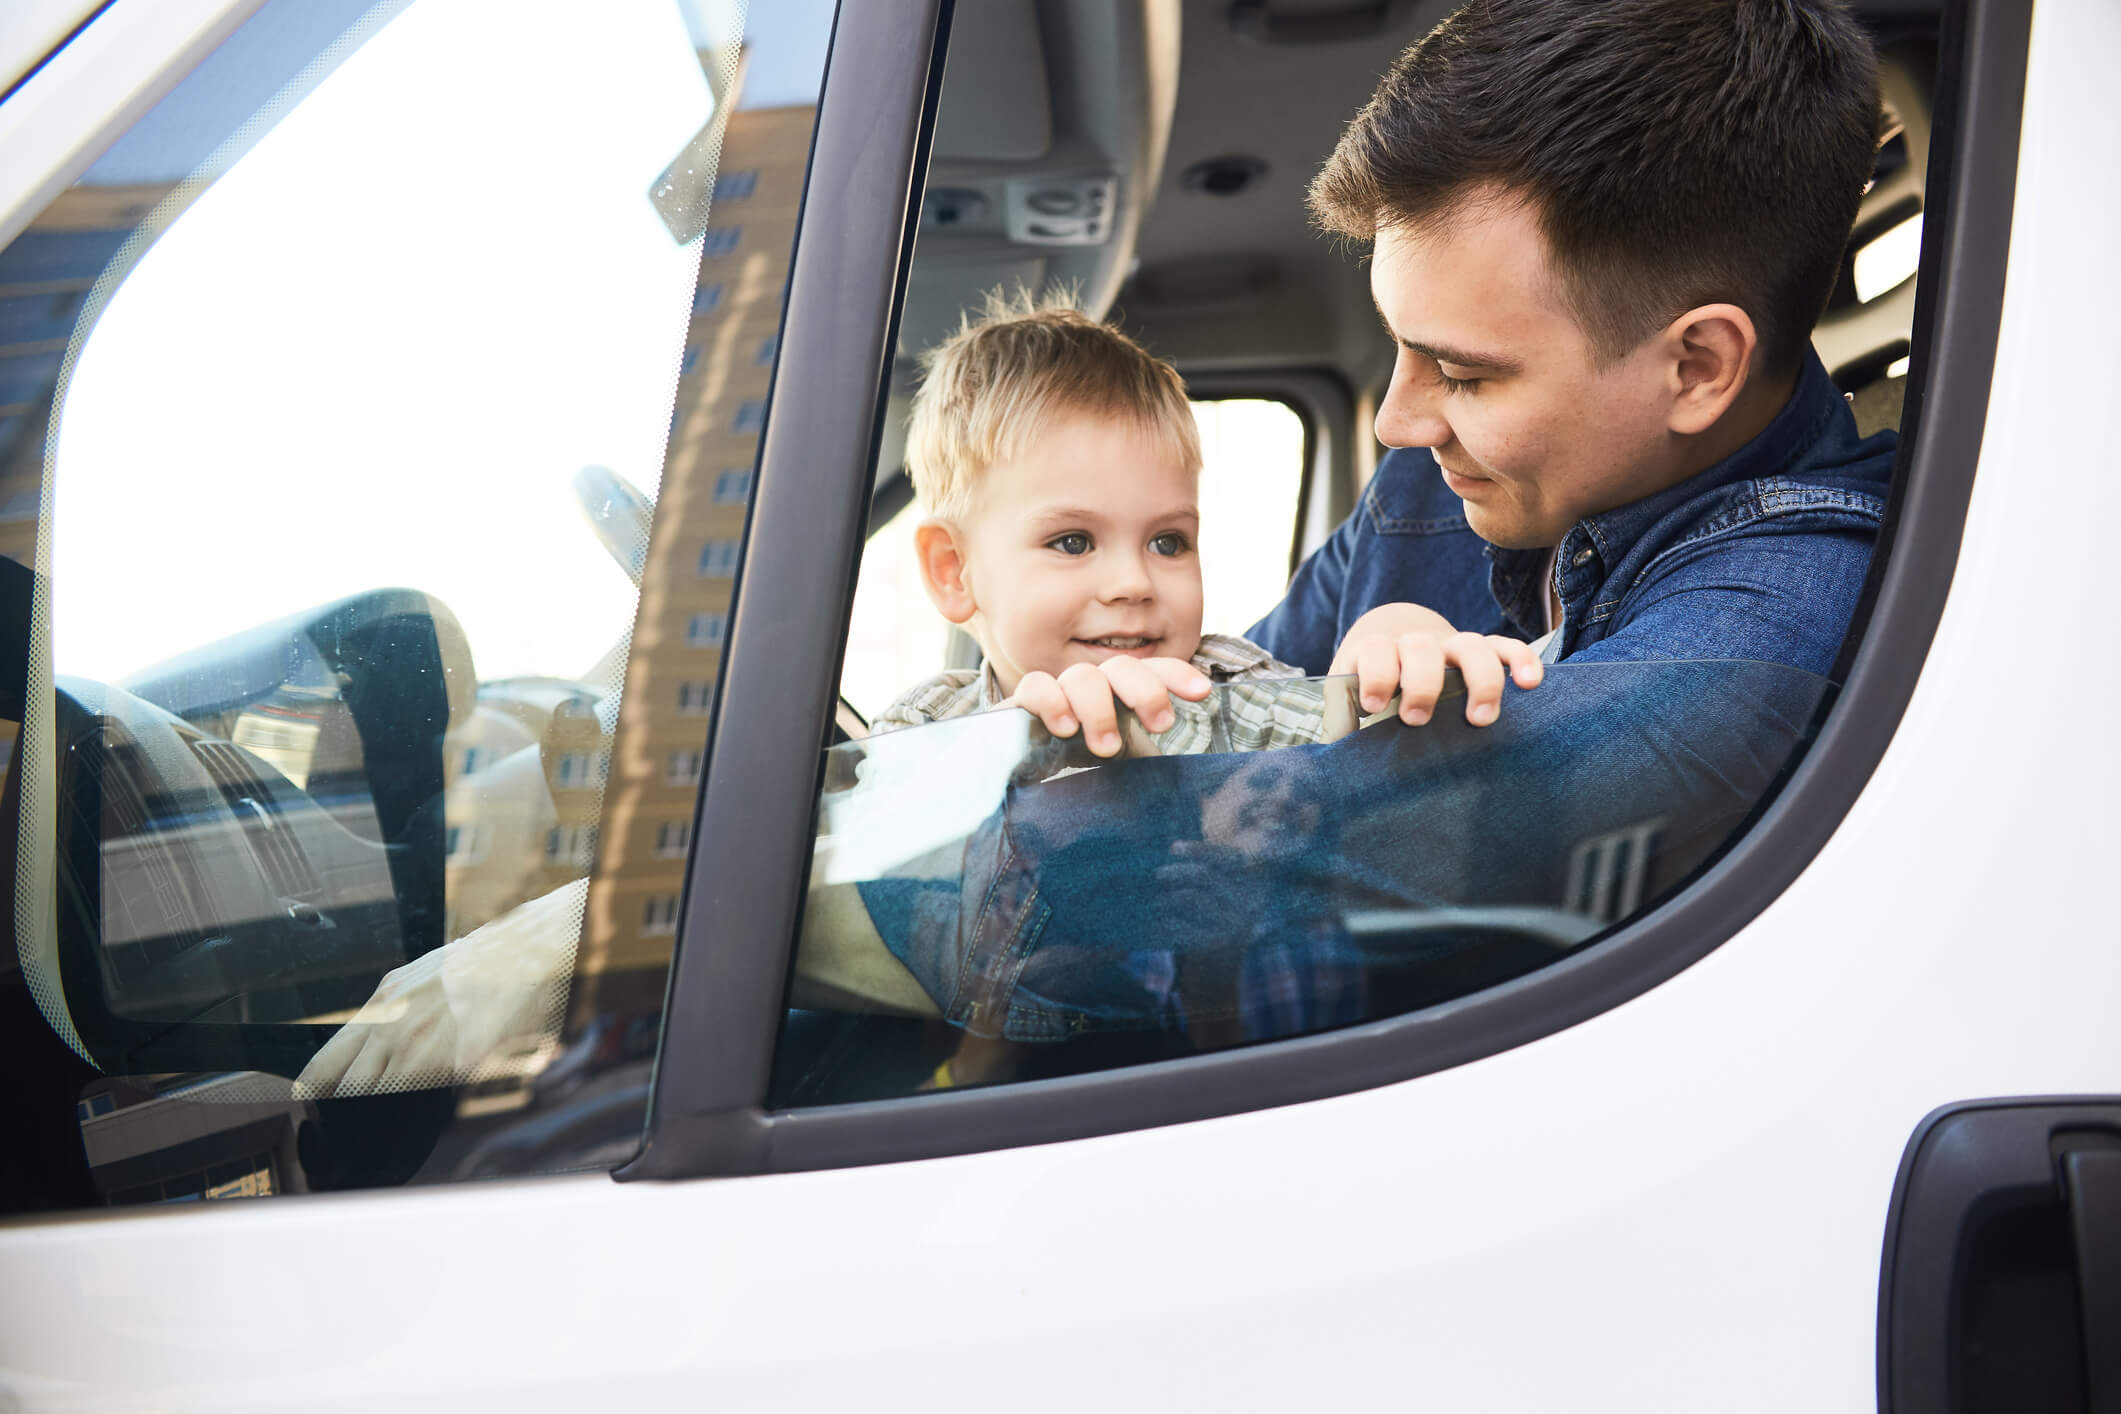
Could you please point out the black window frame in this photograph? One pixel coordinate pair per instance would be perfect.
(752, 845)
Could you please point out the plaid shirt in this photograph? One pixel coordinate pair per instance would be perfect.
(1243, 717)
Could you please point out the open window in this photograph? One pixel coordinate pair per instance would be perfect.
(1068, 923)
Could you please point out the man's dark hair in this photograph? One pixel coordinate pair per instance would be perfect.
(1675, 152)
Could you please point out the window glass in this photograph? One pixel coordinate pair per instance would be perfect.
(990, 901)
(1251, 485)
(350, 545)
(1272, 865)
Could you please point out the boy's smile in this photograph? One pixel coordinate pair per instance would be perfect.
(1084, 548)
(1496, 377)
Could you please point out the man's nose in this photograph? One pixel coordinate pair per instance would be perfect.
(1411, 414)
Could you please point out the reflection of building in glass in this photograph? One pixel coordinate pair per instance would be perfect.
(45, 277)
(692, 561)
(524, 777)
(177, 1138)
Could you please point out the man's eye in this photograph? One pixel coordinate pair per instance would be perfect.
(1169, 543)
(1456, 385)
(1075, 542)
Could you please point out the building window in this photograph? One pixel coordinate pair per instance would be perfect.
(571, 844)
(684, 769)
(707, 298)
(750, 415)
(579, 768)
(689, 360)
(671, 838)
(705, 630)
(463, 843)
(722, 239)
(474, 759)
(659, 915)
(695, 699)
(718, 559)
(733, 487)
(735, 186)
(767, 349)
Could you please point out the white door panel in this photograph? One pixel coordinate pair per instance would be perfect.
(31, 29)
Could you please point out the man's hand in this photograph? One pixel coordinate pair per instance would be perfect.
(1404, 649)
(441, 1017)
(1082, 697)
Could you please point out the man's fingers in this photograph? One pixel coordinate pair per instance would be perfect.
(1043, 698)
(1420, 676)
(1481, 666)
(1090, 698)
(1521, 658)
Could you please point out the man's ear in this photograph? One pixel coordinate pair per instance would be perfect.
(1710, 352)
(942, 560)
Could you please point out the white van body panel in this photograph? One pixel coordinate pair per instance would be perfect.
(94, 88)
(1677, 1205)
(31, 29)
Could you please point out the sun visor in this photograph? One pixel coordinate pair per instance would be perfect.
(1000, 107)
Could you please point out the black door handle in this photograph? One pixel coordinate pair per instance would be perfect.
(2092, 1181)
(2001, 1283)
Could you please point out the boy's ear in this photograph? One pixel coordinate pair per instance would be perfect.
(942, 560)
(1710, 352)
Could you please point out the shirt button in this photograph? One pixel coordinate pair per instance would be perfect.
(1583, 557)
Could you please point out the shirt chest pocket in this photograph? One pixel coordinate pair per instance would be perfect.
(1420, 550)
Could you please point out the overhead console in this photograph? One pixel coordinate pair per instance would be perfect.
(1049, 140)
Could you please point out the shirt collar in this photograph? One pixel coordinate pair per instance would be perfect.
(1596, 544)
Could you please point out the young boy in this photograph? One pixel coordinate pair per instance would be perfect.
(1059, 466)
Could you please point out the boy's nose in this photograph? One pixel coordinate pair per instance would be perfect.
(1126, 577)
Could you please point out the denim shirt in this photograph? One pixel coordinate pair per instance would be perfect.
(1761, 556)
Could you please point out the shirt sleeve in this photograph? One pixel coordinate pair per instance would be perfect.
(944, 695)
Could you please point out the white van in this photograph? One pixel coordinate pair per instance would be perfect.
(453, 534)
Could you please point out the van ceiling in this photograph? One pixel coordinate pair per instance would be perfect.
(1062, 90)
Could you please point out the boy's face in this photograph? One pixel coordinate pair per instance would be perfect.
(1083, 549)
(1497, 379)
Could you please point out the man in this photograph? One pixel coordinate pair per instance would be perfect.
(1603, 231)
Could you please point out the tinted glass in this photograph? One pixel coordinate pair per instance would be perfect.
(1265, 868)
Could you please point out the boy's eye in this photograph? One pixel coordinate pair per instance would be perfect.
(1456, 385)
(1169, 543)
(1075, 542)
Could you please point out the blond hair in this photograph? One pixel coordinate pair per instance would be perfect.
(993, 386)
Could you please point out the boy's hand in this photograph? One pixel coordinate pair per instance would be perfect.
(1082, 697)
(1405, 648)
